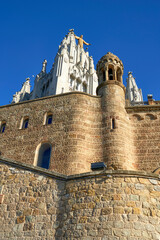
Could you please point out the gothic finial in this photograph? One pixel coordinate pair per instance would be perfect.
(44, 64)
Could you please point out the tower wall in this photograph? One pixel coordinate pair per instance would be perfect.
(117, 132)
(118, 139)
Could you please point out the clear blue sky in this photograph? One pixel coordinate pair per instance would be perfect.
(30, 31)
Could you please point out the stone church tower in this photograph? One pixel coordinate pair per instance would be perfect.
(72, 70)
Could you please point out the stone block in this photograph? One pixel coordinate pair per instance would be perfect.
(106, 211)
(136, 211)
(1, 198)
(118, 210)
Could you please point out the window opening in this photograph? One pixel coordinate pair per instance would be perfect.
(119, 75)
(44, 155)
(49, 119)
(46, 158)
(3, 128)
(110, 74)
(104, 76)
(113, 124)
(25, 123)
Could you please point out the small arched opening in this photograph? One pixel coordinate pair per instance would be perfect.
(110, 73)
(24, 122)
(2, 127)
(119, 75)
(42, 156)
(48, 117)
(104, 75)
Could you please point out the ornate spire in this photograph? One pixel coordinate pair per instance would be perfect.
(133, 93)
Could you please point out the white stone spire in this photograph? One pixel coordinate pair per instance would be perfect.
(24, 93)
(133, 93)
(73, 70)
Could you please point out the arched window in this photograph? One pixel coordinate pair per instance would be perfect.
(49, 119)
(119, 75)
(42, 156)
(110, 74)
(2, 127)
(25, 123)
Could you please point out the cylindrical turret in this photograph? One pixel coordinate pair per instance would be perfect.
(117, 143)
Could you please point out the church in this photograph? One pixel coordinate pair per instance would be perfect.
(79, 155)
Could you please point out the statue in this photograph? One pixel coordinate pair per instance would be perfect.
(44, 64)
(81, 41)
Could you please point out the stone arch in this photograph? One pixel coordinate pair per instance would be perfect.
(119, 74)
(111, 72)
(150, 116)
(43, 155)
(24, 122)
(137, 117)
(46, 117)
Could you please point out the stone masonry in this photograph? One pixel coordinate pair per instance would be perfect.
(81, 131)
(106, 205)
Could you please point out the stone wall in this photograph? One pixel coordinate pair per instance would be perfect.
(81, 132)
(28, 204)
(118, 147)
(113, 205)
(145, 123)
(75, 132)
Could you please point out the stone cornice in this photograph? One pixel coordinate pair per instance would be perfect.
(105, 173)
(142, 108)
(48, 97)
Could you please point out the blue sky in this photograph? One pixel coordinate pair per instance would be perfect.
(32, 30)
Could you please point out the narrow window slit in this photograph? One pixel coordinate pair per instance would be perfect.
(113, 126)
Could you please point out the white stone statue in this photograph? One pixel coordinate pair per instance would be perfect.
(133, 93)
